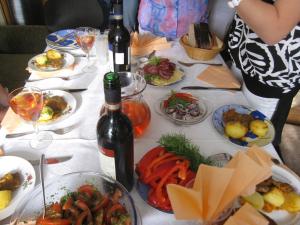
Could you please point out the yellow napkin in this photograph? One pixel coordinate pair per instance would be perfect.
(215, 189)
(219, 76)
(247, 215)
(146, 43)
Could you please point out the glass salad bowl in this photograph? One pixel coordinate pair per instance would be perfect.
(31, 207)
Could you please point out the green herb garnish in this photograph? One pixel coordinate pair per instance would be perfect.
(154, 60)
(180, 145)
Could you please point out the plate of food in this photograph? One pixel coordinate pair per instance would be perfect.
(62, 39)
(57, 106)
(160, 71)
(17, 179)
(78, 198)
(175, 160)
(51, 60)
(278, 197)
(183, 108)
(243, 126)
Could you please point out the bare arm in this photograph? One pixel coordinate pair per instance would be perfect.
(270, 22)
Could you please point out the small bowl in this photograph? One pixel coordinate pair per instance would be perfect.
(200, 53)
(32, 206)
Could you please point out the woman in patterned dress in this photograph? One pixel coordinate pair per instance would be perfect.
(264, 44)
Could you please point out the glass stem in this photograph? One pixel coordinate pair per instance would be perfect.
(36, 130)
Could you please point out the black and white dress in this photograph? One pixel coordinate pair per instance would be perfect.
(270, 72)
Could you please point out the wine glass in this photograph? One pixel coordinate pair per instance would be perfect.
(27, 102)
(85, 38)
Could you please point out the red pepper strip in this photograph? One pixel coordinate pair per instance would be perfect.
(159, 173)
(56, 207)
(81, 217)
(149, 168)
(83, 206)
(87, 189)
(102, 204)
(182, 173)
(185, 96)
(148, 158)
(114, 208)
(49, 221)
(158, 189)
(173, 157)
(190, 175)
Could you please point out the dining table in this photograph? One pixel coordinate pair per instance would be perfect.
(81, 142)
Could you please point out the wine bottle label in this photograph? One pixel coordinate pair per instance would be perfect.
(119, 58)
(107, 162)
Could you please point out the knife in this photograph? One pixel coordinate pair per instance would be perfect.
(67, 90)
(209, 88)
(51, 160)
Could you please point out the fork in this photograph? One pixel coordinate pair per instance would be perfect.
(63, 78)
(59, 131)
(206, 63)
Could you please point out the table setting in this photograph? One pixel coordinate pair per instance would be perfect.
(73, 148)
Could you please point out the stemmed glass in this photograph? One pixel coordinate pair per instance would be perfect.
(85, 38)
(27, 102)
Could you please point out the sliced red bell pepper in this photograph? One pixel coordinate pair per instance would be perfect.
(148, 158)
(155, 161)
(49, 221)
(84, 207)
(68, 204)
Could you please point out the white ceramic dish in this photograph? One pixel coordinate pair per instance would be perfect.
(25, 169)
(70, 109)
(67, 62)
(282, 217)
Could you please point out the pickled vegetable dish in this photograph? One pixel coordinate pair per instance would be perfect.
(87, 206)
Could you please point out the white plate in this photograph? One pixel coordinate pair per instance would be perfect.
(68, 61)
(70, 109)
(204, 106)
(17, 164)
(282, 217)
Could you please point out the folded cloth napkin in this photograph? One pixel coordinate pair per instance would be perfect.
(215, 189)
(144, 44)
(247, 215)
(219, 76)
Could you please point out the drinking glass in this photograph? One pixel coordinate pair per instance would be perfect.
(85, 38)
(27, 102)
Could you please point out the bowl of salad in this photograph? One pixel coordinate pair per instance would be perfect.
(78, 198)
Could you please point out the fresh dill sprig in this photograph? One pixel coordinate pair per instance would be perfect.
(180, 145)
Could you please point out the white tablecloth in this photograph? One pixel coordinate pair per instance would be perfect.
(82, 144)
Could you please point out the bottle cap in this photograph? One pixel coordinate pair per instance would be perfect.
(112, 88)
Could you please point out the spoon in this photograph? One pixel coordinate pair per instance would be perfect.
(42, 181)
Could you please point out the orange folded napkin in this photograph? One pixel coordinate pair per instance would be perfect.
(146, 43)
(247, 215)
(215, 189)
(219, 76)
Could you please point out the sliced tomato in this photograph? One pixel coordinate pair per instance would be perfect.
(87, 189)
(49, 221)
(114, 208)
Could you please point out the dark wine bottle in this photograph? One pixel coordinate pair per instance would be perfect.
(118, 39)
(115, 135)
